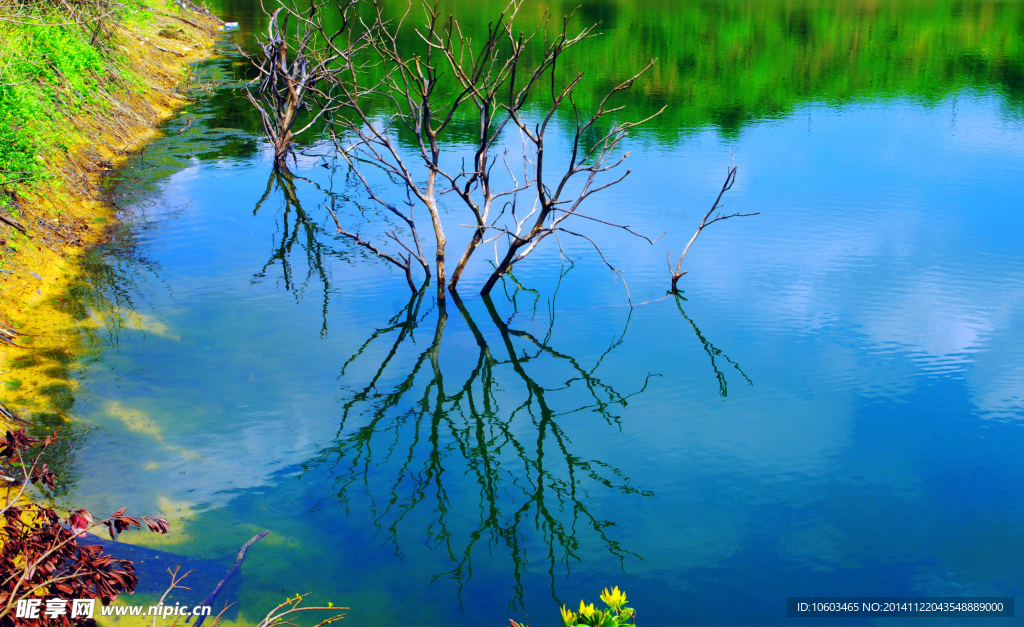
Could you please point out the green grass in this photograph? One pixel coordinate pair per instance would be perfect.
(50, 73)
(51, 70)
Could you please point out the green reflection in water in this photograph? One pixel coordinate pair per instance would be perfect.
(728, 63)
(294, 221)
(713, 353)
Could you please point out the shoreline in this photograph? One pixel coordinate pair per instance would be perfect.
(48, 227)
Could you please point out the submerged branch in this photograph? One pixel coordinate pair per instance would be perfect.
(677, 273)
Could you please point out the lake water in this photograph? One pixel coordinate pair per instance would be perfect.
(835, 406)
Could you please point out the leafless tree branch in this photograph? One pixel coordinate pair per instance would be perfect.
(707, 221)
(296, 69)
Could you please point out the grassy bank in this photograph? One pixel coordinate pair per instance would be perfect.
(83, 86)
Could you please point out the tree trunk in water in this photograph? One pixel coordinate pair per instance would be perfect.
(281, 151)
(440, 278)
(478, 236)
(500, 271)
(439, 236)
(675, 279)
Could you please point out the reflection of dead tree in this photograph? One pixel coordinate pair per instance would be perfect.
(315, 250)
(729, 180)
(528, 474)
(287, 85)
(709, 348)
(492, 86)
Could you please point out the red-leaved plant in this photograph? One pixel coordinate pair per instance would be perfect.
(40, 551)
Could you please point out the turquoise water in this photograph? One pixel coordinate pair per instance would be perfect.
(833, 407)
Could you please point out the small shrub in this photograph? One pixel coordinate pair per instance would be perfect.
(616, 615)
(41, 555)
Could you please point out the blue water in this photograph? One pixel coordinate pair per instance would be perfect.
(834, 406)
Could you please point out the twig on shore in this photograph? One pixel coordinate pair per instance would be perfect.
(8, 335)
(189, 22)
(18, 180)
(146, 40)
(14, 223)
(162, 49)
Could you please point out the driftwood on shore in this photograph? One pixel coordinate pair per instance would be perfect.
(7, 334)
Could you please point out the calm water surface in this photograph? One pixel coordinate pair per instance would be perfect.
(834, 407)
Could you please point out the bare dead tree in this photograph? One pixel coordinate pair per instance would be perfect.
(676, 273)
(409, 85)
(307, 69)
(491, 89)
(554, 204)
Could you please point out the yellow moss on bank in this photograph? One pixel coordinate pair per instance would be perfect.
(65, 214)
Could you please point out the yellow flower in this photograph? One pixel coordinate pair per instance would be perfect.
(587, 610)
(568, 617)
(614, 599)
